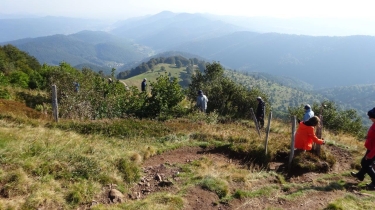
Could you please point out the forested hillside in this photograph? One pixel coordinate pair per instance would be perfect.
(358, 97)
(282, 92)
(282, 95)
(320, 61)
(86, 47)
(20, 69)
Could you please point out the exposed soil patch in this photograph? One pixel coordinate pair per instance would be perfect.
(160, 174)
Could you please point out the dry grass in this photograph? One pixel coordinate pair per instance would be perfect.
(56, 168)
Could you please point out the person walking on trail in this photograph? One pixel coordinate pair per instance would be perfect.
(76, 86)
(369, 157)
(144, 84)
(308, 113)
(260, 112)
(202, 101)
(305, 135)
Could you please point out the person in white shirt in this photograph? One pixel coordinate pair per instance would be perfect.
(202, 101)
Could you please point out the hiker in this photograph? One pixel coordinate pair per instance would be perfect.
(308, 113)
(144, 84)
(202, 101)
(76, 86)
(260, 112)
(369, 156)
(305, 135)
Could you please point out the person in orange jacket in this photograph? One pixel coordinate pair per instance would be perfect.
(305, 134)
(369, 157)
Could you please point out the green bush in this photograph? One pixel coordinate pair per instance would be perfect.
(215, 185)
(224, 95)
(166, 94)
(4, 94)
(130, 170)
(3, 79)
(19, 79)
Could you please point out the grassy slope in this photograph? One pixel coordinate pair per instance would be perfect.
(281, 96)
(52, 165)
(152, 75)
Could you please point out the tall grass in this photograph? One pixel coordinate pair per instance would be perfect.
(66, 165)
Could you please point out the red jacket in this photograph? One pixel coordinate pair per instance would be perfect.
(370, 141)
(305, 136)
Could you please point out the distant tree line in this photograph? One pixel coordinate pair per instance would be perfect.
(19, 69)
(179, 61)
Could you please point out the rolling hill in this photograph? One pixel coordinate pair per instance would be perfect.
(282, 93)
(151, 76)
(86, 47)
(166, 29)
(320, 61)
(20, 28)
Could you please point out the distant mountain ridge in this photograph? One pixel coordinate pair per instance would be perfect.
(20, 28)
(166, 29)
(320, 61)
(90, 47)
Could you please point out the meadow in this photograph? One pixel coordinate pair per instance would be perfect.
(202, 163)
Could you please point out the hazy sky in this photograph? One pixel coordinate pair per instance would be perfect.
(122, 9)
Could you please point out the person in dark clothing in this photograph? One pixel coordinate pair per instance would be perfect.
(76, 86)
(260, 112)
(144, 84)
(369, 158)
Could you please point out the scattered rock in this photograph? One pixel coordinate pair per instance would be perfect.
(158, 177)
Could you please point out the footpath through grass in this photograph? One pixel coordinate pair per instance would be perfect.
(67, 164)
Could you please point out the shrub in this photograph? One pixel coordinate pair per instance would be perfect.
(19, 79)
(130, 171)
(82, 192)
(4, 94)
(215, 185)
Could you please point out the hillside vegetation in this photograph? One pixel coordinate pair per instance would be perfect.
(357, 97)
(321, 61)
(119, 148)
(73, 164)
(164, 68)
(91, 47)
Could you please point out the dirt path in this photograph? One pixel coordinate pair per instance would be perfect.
(197, 198)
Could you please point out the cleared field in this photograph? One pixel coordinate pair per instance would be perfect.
(151, 75)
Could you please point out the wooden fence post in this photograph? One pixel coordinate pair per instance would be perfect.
(255, 121)
(55, 109)
(292, 142)
(267, 132)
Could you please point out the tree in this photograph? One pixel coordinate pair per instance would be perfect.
(224, 95)
(190, 70)
(166, 94)
(178, 64)
(19, 79)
